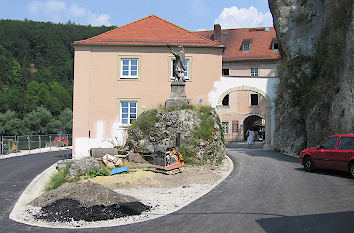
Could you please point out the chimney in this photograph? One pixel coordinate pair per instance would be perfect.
(217, 32)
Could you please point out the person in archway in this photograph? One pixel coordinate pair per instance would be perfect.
(250, 137)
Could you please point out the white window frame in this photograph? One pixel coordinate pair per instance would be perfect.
(129, 113)
(129, 76)
(244, 46)
(188, 60)
(225, 127)
(254, 105)
(254, 71)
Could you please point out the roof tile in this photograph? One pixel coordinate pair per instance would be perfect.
(151, 30)
(232, 39)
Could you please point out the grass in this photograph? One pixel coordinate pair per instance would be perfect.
(58, 179)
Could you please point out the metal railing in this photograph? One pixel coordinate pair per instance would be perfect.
(19, 144)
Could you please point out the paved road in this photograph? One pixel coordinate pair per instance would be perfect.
(15, 174)
(266, 192)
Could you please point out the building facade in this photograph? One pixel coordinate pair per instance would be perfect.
(125, 71)
(244, 94)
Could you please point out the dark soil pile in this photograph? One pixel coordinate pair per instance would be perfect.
(67, 210)
(85, 201)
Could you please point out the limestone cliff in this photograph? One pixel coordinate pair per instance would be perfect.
(315, 94)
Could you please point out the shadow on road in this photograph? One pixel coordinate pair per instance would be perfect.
(257, 151)
(331, 222)
(327, 172)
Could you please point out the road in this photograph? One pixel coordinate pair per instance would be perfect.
(266, 192)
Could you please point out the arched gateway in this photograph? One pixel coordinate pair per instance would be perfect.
(243, 107)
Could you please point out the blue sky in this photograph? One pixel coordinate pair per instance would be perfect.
(189, 14)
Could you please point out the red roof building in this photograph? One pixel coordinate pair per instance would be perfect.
(260, 39)
(150, 30)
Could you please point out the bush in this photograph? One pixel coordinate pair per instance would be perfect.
(96, 172)
(205, 130)
(146, 121)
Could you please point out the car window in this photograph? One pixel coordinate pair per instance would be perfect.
(329, 143)
(346, 143)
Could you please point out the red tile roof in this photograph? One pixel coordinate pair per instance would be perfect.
(232, 39)
(151, 30)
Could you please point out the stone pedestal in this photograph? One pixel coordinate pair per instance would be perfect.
(178, 95)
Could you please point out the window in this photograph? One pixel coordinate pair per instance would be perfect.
(346, 143)
(234, 126)
(275, 46)
(186, 72)
(129, 68)
(246, 46)
(254, 71)
(225, 72)
(128, 111)
(254, 99)
(329, 143)
(225, 100)
(225, 127)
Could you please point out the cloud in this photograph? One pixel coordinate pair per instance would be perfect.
(234, 17)
(50, 7)
(57, 11)
(92, 18)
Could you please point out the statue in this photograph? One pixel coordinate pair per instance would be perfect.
(178, 66)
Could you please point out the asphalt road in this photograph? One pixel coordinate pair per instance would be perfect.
(266, 192)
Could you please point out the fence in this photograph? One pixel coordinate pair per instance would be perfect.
(17, 144)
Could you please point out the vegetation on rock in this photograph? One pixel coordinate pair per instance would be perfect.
(200, 128)
(309, 84)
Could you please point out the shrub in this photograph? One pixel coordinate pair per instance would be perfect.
(205, 130)
(146, 121)
(96, 172)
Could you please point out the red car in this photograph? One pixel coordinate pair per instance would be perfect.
(336, 152)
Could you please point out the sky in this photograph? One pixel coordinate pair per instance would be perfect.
(192, 15)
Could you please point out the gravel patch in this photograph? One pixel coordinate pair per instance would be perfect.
(157, 201)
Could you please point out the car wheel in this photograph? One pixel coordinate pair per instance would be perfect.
(308, 164)
(351, 169)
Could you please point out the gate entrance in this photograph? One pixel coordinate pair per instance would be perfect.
(257, 123)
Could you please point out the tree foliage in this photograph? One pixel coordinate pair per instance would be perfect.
(36, 74)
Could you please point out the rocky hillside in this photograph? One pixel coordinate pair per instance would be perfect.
(315, 94)
(200, 128)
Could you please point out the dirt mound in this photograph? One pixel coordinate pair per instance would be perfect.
(85, 201)
(67, 210)
(87, 193)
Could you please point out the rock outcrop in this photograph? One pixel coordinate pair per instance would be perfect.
(201, 135)
(315, 94)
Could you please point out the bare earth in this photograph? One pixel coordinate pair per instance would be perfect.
(164, 193)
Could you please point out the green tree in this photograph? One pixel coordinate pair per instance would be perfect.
(66, 120)
(60, 98)
(10, 124)
(40, 121)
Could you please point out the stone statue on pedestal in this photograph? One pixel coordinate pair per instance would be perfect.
(178, 65)
(178, 95)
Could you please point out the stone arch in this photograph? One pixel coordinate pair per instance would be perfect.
(269, 134)
(244, 88)
(245, 122)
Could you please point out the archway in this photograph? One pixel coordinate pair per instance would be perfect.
(256, 123)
